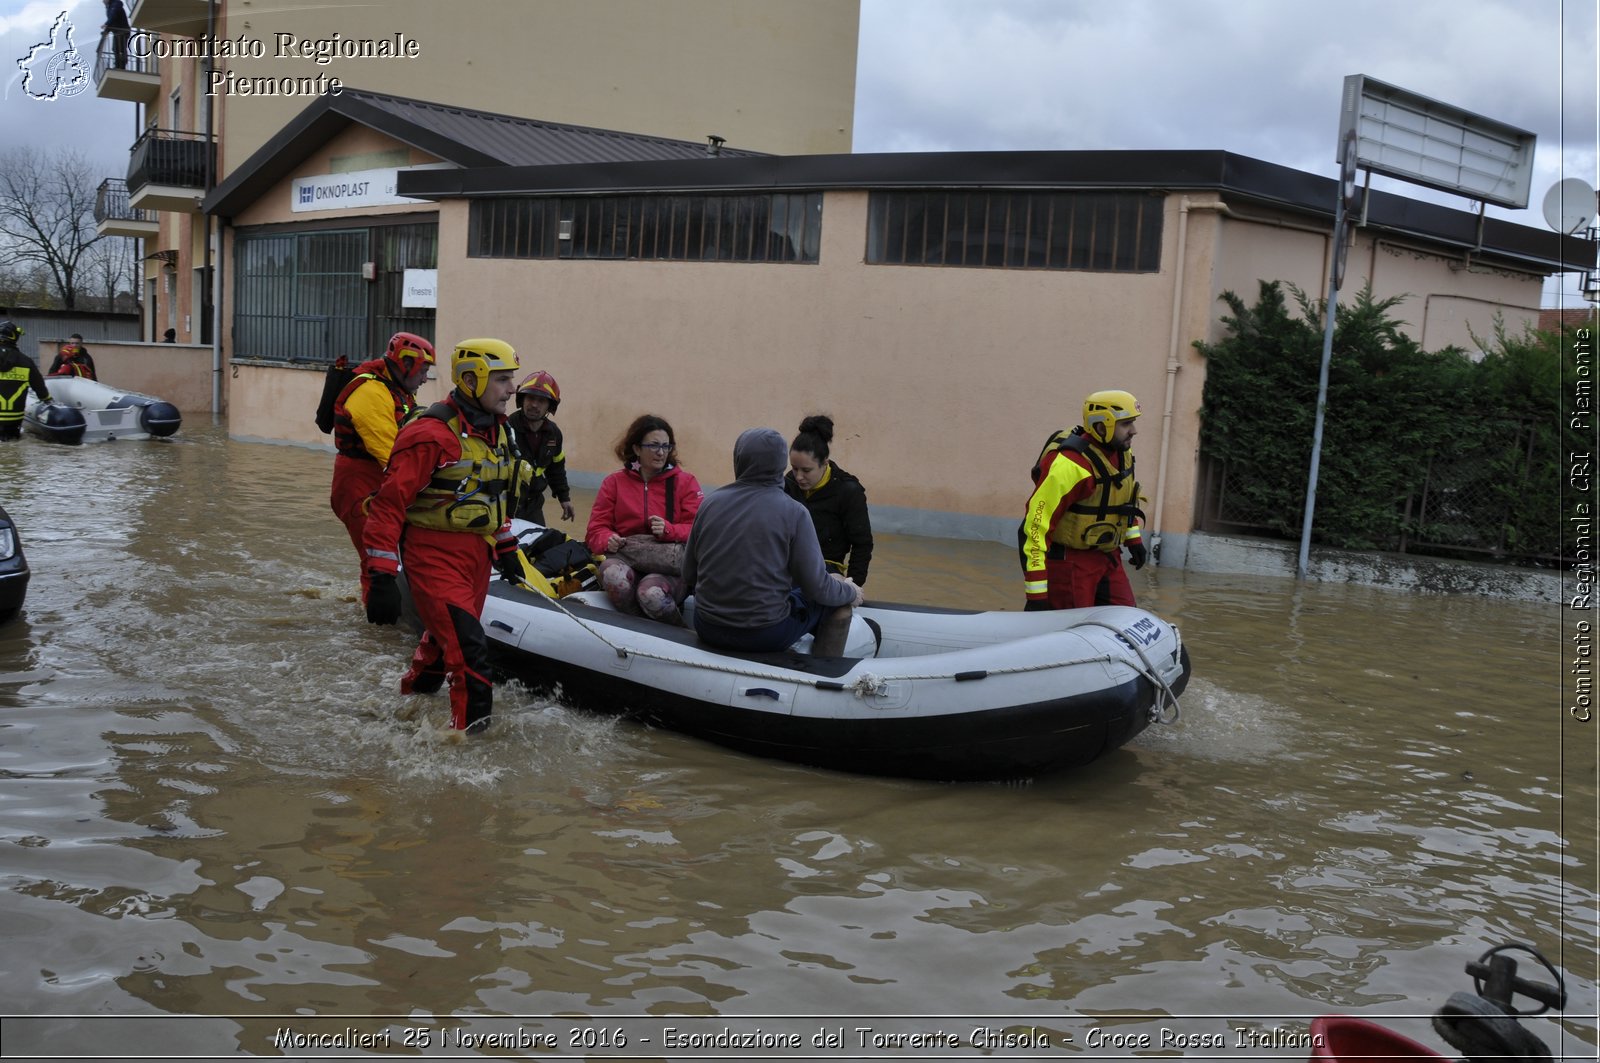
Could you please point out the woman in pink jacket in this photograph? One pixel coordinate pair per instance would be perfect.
(651, 501)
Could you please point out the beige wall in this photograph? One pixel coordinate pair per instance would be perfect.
(770, 75)
(942, 382)
(177, 373)
(1447, 298)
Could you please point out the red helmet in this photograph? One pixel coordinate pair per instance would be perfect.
(540, 382)
(410, 345)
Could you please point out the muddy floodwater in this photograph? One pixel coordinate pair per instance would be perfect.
(223, 832)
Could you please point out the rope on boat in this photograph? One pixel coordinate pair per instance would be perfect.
(1167, 699)
(870, 685)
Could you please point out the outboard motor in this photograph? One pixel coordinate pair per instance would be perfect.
(1481, 1025)
(57, 423)
(160, 418)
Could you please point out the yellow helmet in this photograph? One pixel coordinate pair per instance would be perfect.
(480, 358)
(1102, 411)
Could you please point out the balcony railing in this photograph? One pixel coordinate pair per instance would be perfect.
(133, 54)
(111, 203)
(173, 158)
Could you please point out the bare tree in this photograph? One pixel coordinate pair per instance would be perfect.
(47, 214)
(110, 268)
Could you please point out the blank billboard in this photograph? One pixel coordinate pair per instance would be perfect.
(1401, 134)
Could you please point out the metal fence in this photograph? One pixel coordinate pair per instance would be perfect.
(1463, 508)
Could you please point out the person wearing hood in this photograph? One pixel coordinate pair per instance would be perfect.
(444, 506)
(754, 564)
(836, 500)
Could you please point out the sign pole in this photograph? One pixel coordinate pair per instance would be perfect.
(1302, 570)
(1343, 216)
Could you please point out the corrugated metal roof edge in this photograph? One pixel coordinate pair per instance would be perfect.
(328, 115)
(1157, 170)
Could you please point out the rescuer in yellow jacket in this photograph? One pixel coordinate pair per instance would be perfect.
(1084, 509)
(367, 416)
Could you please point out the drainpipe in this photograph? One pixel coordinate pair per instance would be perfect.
(214, 249)
(1181, 269)
(1173, 365)
(211, 258)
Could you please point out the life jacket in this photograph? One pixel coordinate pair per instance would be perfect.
(1057, 439)
(346, 439)
(13, 392)
(1098, 523)
(474, 493)
(73, 365)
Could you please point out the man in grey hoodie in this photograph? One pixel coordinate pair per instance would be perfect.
(753, 563)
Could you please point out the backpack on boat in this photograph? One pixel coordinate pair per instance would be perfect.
(338, 375)
(565, 562)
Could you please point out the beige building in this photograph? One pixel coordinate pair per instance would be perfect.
(948, 310)
(216, 79)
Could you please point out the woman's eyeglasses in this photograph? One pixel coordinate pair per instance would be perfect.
(659, 448)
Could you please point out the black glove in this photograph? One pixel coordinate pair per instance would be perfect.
(1138, 553)
(383, 599)
(1036, 605)
(510, 565)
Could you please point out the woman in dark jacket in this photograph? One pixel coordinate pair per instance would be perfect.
(837, 501)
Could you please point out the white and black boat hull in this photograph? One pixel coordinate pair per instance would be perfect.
(88, 411)
(937, 694)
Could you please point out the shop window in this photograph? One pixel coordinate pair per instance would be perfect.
(1117, 232)
(780, 227)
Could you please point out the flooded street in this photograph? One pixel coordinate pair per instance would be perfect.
(210, 805)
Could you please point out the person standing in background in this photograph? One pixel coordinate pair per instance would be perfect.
(117, 28)
(541, 446)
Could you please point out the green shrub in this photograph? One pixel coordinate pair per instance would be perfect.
(1478, 441)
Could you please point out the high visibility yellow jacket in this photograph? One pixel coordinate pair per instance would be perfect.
(1087, 499)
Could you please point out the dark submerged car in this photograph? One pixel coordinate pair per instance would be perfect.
(13, 568)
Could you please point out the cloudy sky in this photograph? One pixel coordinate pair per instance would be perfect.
(1257, 77)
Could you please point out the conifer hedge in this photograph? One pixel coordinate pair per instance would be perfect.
(1481, 439)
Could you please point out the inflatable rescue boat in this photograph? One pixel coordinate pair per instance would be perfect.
(88, 411)
(921, 692)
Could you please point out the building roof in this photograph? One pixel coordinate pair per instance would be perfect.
(1237, 178)
(460, 135)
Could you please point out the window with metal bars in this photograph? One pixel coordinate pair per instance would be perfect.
(1117, 232)
(780, 227)
(302, 297)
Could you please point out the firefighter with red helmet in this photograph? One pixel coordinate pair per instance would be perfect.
(538, 440)
(444, 508)
(366, 417)
(1084, 509)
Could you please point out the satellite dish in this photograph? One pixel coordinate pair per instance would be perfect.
(1569, 205)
